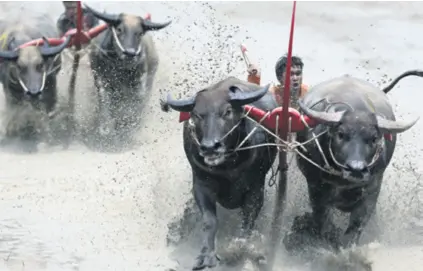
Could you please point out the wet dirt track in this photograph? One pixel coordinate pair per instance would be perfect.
(84, 210)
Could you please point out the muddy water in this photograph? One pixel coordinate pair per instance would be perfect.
(84, 210)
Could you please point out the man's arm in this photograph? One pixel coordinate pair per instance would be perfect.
(254, 75)
(304, 89)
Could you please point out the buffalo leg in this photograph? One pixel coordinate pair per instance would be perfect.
(206, 201)
(359, 218)
(105, 128)
(251, 209)
(320, 214)
(307, 230)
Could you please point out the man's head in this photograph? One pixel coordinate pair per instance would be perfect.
(70, 8)
(296, 72)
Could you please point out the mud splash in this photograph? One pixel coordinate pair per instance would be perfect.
(84, 210)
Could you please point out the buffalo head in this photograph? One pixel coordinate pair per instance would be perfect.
(215, 114)
(356, 137)
(30, 65)
(127, 31)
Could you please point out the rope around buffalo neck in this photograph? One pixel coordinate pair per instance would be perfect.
(291, 146)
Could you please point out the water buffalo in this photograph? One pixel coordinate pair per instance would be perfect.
(357, 147)
(29, 74)
(234, 179)
(124, 65)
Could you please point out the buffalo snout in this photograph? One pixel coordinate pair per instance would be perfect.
(131, 52)
(34, 92)
(356, 165)
(208, 147)
(213, 152)
(357, 169)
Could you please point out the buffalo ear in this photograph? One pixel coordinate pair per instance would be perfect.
(239, 97)
(395, 127)
(179, 105)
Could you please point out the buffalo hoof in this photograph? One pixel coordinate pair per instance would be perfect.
(206, 260)
(296, 242)
(244, 248)
(346, 240)
(105, 130)
(333, 237)
(303, 234)
(304, 224)
(236, 252)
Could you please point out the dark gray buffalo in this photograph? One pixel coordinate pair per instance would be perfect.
(358, 146)
(29, 75)
(234, 179)
(124, 64)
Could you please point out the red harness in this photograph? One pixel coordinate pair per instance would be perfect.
(270, 121)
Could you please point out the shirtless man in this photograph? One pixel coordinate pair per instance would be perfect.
(67, 20)
(298, 89)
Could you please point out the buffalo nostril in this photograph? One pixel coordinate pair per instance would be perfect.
(357, 165)
(217, 145)
(33, 93)
(130, 52)
(210, 146)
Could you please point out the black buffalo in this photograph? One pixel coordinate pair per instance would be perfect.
(124, 63)
(220, 175)
(358, 147)
(29, 75)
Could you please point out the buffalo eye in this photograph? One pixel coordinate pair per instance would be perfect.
(195, 116)
(341, 135)
(228, 113)
(23, 69)
(119, 30)
(39, 67)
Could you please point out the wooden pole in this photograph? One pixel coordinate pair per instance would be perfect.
(75, 65)
(276, 226)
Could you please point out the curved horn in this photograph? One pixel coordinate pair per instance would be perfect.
(240, 97)
(9, 55)
(324, 117)
(405, 74)
(112, 19)
(395, 127)
(52, 51)
(181, 105)
(149, 25)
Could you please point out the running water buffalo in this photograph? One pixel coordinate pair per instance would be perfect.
(29, 75)
(124, 64)
(221, 173)
(357, 147)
